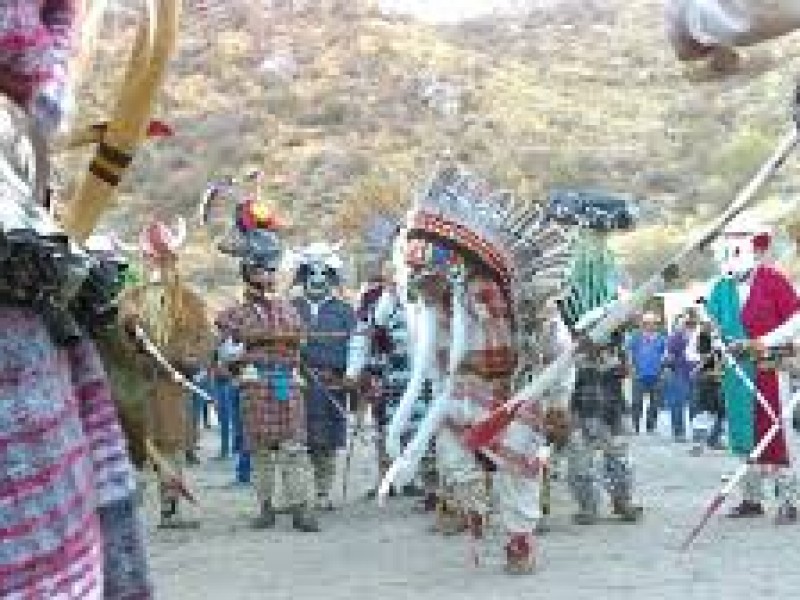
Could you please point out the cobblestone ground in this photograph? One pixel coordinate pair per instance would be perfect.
(389, 554)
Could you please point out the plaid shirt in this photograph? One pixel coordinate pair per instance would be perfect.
(269, 416)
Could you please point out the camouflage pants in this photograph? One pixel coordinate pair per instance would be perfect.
(429, 474)
(288, 460)
(585, 476)
(323, 462)
(785, 486)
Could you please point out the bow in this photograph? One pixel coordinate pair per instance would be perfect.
(161, 464)
(176, 375)
(118, 140)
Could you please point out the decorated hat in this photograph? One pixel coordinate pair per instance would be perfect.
(158, 240)
(256, 235)
(458, 216)
(762, 241)
(252, 214)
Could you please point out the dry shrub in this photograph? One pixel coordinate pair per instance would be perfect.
(371, 195)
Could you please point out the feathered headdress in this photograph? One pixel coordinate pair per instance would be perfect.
(255, 237)
(459, 217)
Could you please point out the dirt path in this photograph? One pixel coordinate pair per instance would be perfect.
(388, 554)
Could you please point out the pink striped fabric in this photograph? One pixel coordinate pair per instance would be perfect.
(50, 541)
(35, 40)
(113, 472)
(67, 520)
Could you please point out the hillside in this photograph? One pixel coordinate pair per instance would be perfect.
(342, 105)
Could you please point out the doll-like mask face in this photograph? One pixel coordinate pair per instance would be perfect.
(318, 281)
(735, 257)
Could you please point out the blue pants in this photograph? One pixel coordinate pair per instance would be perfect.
(242, 457)
(715, 435)
(654, 390)
(224, 392)
(677, 395)
(194, 408)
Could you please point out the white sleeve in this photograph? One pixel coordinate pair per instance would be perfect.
(229, 351)
(691, 348)
(384, 309)
(731, 22)
(783, 334)
(358, 348)
(357, 351)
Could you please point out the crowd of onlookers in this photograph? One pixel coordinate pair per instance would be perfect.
(680, 371)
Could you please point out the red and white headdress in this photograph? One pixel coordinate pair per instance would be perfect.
(458, 217)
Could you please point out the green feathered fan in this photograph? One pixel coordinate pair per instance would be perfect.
(593, 281)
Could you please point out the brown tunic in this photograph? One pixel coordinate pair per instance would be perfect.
(179, 327)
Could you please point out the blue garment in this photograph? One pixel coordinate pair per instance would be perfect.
(678, 392)
(655, 392)
(677, 344)
(678, 383)
(223, 394)
(238, 447)
(647, 356)
(326, 357)
(243, 467)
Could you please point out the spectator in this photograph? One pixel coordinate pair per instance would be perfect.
(708, 389)
(678, 383)
(646, 349)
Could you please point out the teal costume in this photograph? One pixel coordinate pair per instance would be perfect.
(724, 307)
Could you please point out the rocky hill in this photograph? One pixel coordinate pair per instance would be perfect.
(344, 108)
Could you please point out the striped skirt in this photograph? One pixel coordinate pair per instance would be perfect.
(62, 457)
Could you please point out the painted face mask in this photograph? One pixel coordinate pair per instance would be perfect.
(318, 282)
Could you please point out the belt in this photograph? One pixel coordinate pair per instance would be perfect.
(485, 373)
(768, 364)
